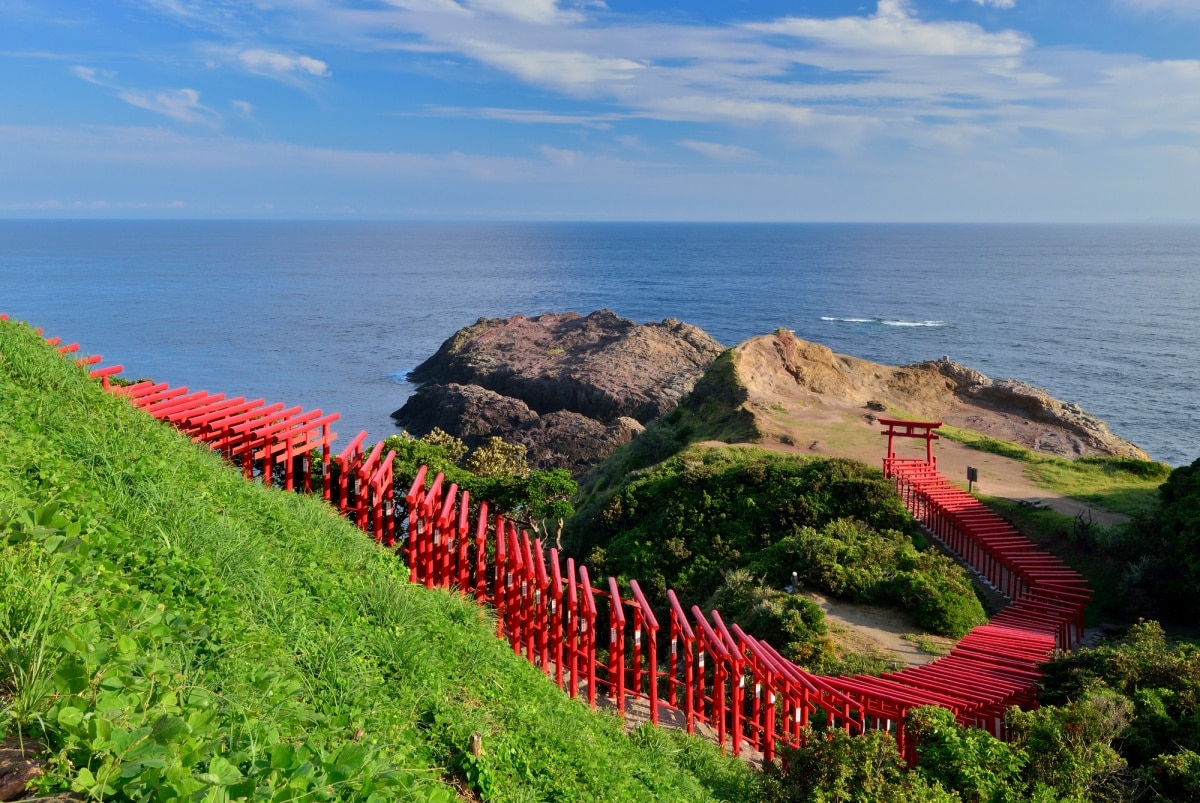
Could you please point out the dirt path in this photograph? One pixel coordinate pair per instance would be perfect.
(878, 632)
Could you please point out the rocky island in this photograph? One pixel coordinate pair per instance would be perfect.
(574, 388)
(571, 388)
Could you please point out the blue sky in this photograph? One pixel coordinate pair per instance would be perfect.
(889, 110)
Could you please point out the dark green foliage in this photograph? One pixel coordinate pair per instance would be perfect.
(790, 623)
(850, 560)
(1056, 753)
(981, 768)
(1070, 747)
(838, 523)
(1177, 776)
(1163, 550)
(833, 767)
(1158, 684)
(495, 472)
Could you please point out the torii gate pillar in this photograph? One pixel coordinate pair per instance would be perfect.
(911, 429)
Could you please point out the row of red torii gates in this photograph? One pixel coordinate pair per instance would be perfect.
(604, 643)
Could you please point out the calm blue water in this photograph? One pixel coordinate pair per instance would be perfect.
(331, 315)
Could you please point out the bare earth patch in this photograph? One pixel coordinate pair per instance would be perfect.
(871, 631)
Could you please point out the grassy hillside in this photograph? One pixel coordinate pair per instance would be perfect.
(171, 631)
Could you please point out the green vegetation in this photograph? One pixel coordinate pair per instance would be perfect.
(1119, 723)
(1161, 551)
(495, 471)
(173, 632)
(927, 645)
(687, 522)
(1120, 484)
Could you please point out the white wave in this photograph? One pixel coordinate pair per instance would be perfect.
(881, 321)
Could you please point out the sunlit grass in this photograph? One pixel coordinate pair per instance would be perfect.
(1120, 484)
(274, 618)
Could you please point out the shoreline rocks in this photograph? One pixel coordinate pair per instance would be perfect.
(571, 388)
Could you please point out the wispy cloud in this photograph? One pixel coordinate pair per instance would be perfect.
(182, 105)
(178, 104)
(539, 12)
(560, 157)
(715, 150)
(530, 116)
(997, 3)
(280, 65)
(894, 29)
(566, 69)
(93, 75)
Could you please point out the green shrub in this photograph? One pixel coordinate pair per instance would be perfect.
(1070, 747)
(1145, 681)
(981, 768)
(838, 524)
(852, 561)
(835, 767)
(790, 623)
(1163, 549)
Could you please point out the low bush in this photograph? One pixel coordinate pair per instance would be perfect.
(857, 563)
(833, 767)
(788, 622)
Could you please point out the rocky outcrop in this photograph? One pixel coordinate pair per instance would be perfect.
(572, 388)
(780, 367)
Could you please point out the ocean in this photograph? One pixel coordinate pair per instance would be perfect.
(332, 315)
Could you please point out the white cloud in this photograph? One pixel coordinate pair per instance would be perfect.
(178, 104)
(560, 157)
(531, 116)
(563, 68)
(244, 108)
(997, 3)
(715, 150)
(93, 75)
(895, 29)
(271, 63)
(539, 12)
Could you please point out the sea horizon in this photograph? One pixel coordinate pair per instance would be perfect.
(332, 314)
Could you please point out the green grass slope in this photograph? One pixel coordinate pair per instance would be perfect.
(170, 631)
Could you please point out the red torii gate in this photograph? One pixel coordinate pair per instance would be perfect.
(911, 429)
